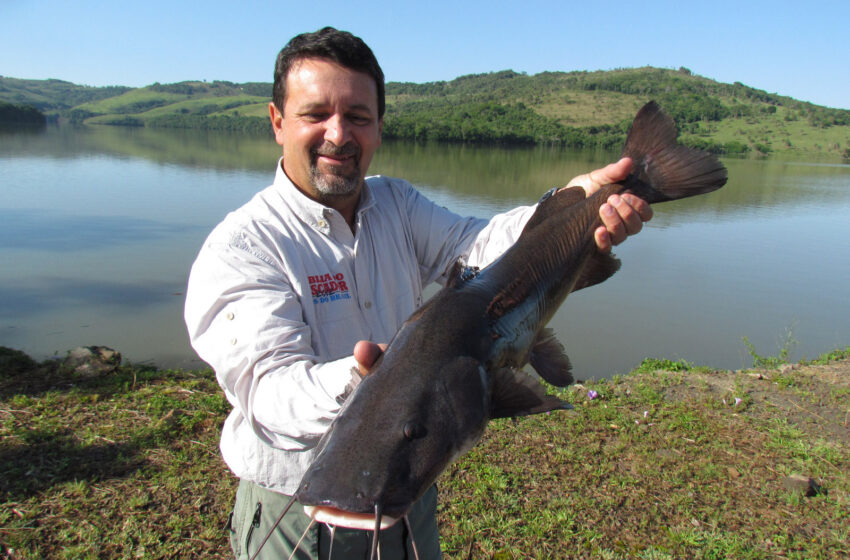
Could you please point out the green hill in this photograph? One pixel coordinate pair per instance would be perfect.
(52, 96)
(213, 105)
(575, 109)
(594, 109)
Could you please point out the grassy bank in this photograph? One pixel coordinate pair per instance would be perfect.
(668, 462)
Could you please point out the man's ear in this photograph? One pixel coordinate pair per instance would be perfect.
(276, 118)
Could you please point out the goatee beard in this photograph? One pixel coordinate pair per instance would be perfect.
(331, 185)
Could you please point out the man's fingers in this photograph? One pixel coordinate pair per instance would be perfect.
(367, 353)
(630, 217)
(603, 239)
(615, 226)
(640, 206)
(622, 216)
(611, 173)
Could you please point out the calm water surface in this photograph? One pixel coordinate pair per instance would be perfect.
(99, 226)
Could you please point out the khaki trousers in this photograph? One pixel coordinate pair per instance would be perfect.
(257, 508)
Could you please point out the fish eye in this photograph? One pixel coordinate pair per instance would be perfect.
(414, 430)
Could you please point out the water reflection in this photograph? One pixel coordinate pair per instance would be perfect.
(30, 229)
(98, 228)
(193, 148)
(35, 296)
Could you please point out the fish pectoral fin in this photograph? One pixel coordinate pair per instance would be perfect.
(599, 267)
(549, 359)
(516, 393)
(461, 273)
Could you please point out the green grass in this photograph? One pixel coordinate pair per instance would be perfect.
(125, 466)
(662, 464)
(133, 102)
(211, 106)
(783, 137)
(630, 475)
(258, 109)
(835, 355)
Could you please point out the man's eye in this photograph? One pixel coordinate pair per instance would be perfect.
(359, 119)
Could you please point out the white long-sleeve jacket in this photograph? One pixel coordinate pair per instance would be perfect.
(282, 290)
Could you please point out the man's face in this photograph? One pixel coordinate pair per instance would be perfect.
(329, 129)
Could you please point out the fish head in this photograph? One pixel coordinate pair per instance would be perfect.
(395, 435)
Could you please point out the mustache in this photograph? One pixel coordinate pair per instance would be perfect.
(332, 150)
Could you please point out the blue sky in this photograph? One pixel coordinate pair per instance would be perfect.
(800, 49)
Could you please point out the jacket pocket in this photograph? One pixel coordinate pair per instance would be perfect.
(255, 524)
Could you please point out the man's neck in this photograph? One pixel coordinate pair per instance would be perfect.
(345, 204)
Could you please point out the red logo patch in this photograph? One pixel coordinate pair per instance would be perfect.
(328, 287)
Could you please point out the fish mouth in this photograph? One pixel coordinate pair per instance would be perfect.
(340, 518)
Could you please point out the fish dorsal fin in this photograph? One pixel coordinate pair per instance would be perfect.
(549, 359)
(599, 267)
(461, 273)
(553, 202)
(517, 393)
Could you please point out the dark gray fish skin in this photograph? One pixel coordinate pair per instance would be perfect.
(455, 363)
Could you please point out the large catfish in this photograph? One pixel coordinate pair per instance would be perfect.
(456, 362)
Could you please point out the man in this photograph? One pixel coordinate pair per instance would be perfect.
(291, 293)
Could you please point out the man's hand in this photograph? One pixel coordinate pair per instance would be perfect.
(622, 215)
(367, 353)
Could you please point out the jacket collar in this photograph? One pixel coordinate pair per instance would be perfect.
(315, 214)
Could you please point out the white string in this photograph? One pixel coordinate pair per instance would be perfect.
(307, 530)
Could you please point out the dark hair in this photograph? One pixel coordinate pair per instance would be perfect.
(330, 44)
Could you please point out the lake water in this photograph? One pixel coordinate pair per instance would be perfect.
(99, 226)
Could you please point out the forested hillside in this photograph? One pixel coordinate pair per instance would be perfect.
(594, 109)
(573, 109)
(11, 114)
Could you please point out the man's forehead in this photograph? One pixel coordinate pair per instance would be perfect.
(325, 68)
(314, 81)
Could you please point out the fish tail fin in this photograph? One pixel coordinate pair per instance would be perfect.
(662, 169)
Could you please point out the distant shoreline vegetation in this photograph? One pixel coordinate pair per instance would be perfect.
(253, 125)
(491, 123)
(570, 109)
(11, 114)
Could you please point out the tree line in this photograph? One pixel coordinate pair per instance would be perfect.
(11, 114)
(494, 123)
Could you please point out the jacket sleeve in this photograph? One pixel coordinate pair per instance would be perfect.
(245, 320)
(441, 236)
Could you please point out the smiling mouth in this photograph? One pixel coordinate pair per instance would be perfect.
(334, 159)
(336, 155)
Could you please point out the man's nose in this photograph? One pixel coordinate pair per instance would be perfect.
(337, 130)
